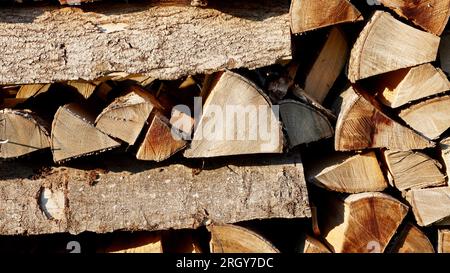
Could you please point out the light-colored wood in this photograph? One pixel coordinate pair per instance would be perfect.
(429, 205)
(412, 240)
(310, 15)
(444, 146)
(125, 117)
(361, 125)
(181, 241)
(431, 117)
(348, 173)
(431, 15)
(22, 132)
(410, 84)
(386, 44)
(237, 119)
(411, 169)
(145, 242)
(303, 123)
(236, 239)
(312, 245)
(328, 65)
(31, 90)
(444, 52)
(363, 222)
(86, 89)
(74, 134)
(162, 41)
(443, 241)
(160, 141)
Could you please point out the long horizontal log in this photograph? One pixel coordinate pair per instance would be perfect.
(161, 41)
(132, 195)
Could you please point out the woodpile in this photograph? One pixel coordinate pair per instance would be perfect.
(225, 126)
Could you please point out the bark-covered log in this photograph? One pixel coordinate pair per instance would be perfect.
(131, 195)
(162, 41)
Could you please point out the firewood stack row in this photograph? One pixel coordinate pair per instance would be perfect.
(175, 115)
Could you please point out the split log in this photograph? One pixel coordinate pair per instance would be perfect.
(431, 118)
(410, 84)
(413, 170)
(133, 195)
(161, 140)
(304, 123)
(328, 65)
(342, 172)
(125, 117)
(443, 241)
(31, 90)
(363, 222)
(444, 146)
(141, 242)
(86, 89)
(361, 124)
(444, 52)
(431, 15)
(429, 205)
(312, 245)
(237, 119)
(386, 44)
(22, 132)
(162, 41)
(74, 134)
(310, 15)
(236, 239)
(412, 240)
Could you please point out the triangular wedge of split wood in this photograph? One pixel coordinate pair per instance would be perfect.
(431, 117)
(303, 122)
(411, 169)
(31, 90)
(412, 240)
(429, 205)
(74, 135)
(410, 84)
(386, 44)
(236, 239)
(361, 125)
(443, 241)
(21, 132)
(126, 116)
(312, 245)
(431, 15)
(237, 119)
(361, 223)
(309, 15)
(348, 173)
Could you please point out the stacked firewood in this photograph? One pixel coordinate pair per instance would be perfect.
(183, 114)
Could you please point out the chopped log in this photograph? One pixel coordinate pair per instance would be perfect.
(154, 196)
(410, 84)
(413, 170)
(305, 98)
(429, 205)
(386, 44)
(237, 119)
(312, 245)
(141, 242)
(431, 15)
(74, 134)
(412, 240)
(310, 15)
(444, 52)
(444, 146)
(86, 89)
(125, 117)
(161, 41)
(31, 90)
(348, 173)
(361, 124)
(161, 140)
(328, 65)
(304, 123)
(236, 239)
(363, 222)
(22, 132)
(443, 241)
(431, 117)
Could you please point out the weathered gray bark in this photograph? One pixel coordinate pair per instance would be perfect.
(133, 195)
(48, 44)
